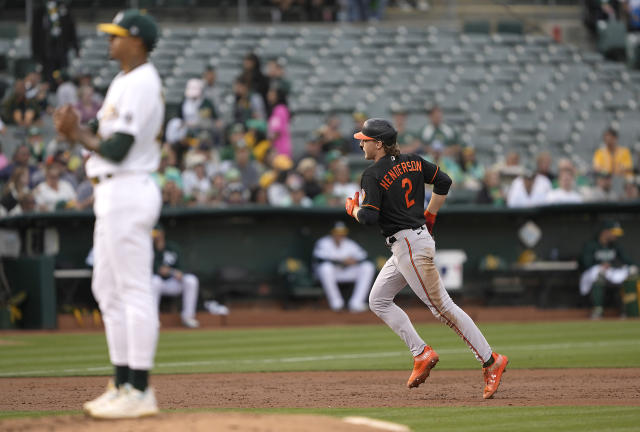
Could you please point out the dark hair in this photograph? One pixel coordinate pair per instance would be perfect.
(611, 130)
(391, 149)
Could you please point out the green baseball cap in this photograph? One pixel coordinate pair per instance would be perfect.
(133, 22)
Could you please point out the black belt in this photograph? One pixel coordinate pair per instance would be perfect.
(391, 239)
(96, 180)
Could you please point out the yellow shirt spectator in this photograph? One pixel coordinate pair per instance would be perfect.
(611, 158)
(618, 163)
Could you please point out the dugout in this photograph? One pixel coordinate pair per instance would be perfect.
(250, 243)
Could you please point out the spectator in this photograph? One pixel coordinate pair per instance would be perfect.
(612, 158)
(249, 169)
(330, 137)
(247, 104)
(491, 191)
(18, 109)
(3, 158)
(437, 155)
(54, 193)
(631, 190)
(528, 190)
(605, 266)
(409, 141)
(84, 195)
(53, 35)
(632, 12)
(277, 191)
(36, 90)
(259, 196)
(36, 144)
(253, 77)
(15, 189)
(172, 195)
(471, 171)
(510, 167)
(295, 183)
(603, 190)
(543, 165)
(169, 279)
(358, 10)
(235, 194)
(197, 112)
(438, 131)
(87, 106)
(308, 169)
(167, 170)
(67, 92)
(279, 119)
(313, 149)
(197, 185)
(339, 259)
(565, 193)
(276, 75)
(21, 158)
(343, 186)
(210, 90)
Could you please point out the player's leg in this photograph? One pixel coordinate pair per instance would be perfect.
(415, 262)
(112, 309)
(189, 299)
(387, 285)
(362, 276)
(326, 272)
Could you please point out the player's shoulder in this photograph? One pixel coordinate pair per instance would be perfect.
(144, 76)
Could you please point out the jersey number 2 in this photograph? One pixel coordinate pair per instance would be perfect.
(407, 182)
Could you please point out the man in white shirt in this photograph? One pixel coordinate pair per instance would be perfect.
(565, 192)
(340, 259)
(53, 192)
(528, 190)
(124, 152)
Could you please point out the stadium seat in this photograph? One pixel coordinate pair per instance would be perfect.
(612, 38)
(477, 26)
(510, 27)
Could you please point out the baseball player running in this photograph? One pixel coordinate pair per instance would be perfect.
(124, 151)
(393, 193)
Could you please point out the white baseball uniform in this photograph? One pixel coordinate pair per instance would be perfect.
(127, 205)
(330, 271)
(187, 285)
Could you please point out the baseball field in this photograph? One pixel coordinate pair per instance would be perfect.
(565, 375)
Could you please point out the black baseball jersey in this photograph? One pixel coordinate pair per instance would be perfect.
(394, 187)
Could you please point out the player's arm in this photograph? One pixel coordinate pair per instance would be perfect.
(441, 184)
(114, 148)
(368, 212)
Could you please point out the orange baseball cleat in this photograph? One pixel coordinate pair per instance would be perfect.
(493, 374)
(422, 365)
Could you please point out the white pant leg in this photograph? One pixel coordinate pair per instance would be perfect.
(326, 272)
(189, 295)
(103, 285)
(128, 207)
(362, 283)
(414, 254)
(387, 285)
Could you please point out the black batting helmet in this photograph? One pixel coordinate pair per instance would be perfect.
(378, 129)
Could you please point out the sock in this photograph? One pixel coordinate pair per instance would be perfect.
(139, 379)
(121, 375)
(489, 362)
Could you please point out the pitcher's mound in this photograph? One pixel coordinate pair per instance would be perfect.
(197, 422)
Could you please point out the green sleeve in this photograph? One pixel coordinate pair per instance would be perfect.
(157, 260)
(116, 147)
(94, 125)
(207, 105)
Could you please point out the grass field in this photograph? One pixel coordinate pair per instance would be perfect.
(374, 347)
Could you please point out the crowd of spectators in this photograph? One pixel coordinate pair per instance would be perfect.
(246, 156)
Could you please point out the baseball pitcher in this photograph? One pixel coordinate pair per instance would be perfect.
(124, 152)
(392, 197)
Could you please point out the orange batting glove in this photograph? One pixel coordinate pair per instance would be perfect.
(430, 220)
(352, 205)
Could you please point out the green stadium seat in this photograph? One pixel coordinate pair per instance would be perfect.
(612, 39)
(477, 26)
(510, 27)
